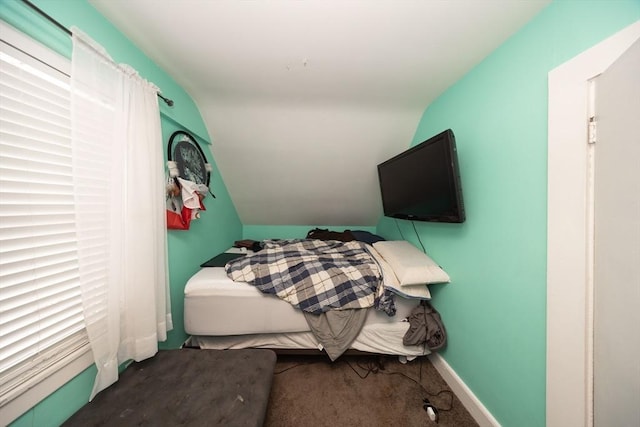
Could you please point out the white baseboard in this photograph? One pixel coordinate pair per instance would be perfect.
(464, 393)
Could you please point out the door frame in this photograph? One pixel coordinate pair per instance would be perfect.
(569, 383)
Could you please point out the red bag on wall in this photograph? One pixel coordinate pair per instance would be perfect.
(174, 221)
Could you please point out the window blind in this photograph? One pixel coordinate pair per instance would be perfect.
(41, 321)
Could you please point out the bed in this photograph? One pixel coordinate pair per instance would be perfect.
(220, 313)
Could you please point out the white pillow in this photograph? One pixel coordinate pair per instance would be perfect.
(410, 265)
(412, 292)
(390, 280)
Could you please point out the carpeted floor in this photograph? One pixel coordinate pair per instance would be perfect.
(360, 391)
(234, 387)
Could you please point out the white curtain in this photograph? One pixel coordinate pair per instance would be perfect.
(119, 196)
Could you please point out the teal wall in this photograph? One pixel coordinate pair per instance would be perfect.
(218, 227)
(495, 307)
(55, 409)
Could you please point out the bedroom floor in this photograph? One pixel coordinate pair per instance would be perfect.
(359, 390)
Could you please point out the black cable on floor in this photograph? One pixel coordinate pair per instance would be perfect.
(295, 366)
(286, 369)
(374, 368)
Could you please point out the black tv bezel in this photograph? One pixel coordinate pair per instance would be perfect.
(446, 137)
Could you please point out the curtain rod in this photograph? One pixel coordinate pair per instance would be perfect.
(48, 17)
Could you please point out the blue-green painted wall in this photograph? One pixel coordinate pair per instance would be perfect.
(495, 307)
(218, 227)
(57, 407)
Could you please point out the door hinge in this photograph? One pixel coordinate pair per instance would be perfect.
(593, 130)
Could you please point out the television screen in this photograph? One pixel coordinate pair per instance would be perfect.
(423, 183)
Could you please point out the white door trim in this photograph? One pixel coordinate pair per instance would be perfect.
(569, 325)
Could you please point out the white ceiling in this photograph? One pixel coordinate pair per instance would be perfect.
(303, 98)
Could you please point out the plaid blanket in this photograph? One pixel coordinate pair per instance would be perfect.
(313, 275)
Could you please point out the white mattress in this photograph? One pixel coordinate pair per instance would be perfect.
(379, 338)
(216, 305)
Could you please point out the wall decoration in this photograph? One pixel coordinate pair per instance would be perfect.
(188, 182)
(189, 159)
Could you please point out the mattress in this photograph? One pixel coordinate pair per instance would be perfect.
(378, 338)
(216, 305)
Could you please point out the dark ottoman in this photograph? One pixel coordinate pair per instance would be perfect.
(189, 387)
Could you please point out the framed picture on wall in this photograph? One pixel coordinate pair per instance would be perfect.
(190, 160)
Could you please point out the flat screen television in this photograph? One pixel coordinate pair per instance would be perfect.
(423, 183)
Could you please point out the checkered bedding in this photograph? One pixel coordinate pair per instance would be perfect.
(313, 275)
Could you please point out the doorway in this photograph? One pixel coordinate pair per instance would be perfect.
(569, 272)
(616, 342)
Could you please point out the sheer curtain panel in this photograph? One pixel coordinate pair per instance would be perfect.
(118, 177)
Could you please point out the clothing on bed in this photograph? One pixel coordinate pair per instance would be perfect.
(344, 236)
(336, 329)
(425, 327)
(313, 275)
(325, 234)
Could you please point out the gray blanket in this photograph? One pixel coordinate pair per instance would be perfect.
(336, 330)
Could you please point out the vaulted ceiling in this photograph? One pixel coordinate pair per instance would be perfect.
(302, 99)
